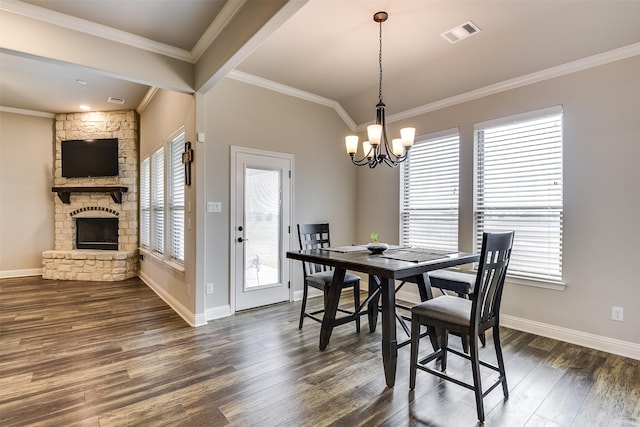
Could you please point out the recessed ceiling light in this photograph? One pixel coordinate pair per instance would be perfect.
(85, 107)
(81, 82)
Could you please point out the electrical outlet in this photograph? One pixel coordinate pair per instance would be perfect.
(209, 288)
(617, 313)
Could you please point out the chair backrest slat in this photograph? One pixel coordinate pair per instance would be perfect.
(492, 271)
(313, 236)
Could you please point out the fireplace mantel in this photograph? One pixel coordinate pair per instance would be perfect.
(64, 193)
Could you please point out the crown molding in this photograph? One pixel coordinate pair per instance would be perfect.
(147, 99)
(98, 30)
(527, 79)
(517, 82)
(291, 91)
(229, 10)
(27, 112)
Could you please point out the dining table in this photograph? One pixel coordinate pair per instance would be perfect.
(404, 264)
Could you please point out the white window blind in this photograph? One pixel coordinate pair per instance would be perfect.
(429, 193)
(145, 202)
(519, 187)
(157, 200)
(176, 199)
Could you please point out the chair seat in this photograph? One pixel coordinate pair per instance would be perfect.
(446, 308)
(460, 283)
(322, 279)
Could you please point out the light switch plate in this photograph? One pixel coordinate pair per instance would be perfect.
(214, 207)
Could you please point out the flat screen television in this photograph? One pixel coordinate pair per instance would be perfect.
(89, 157)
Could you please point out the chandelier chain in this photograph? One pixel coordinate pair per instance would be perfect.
(380, 65)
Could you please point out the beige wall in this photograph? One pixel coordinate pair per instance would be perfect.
(162, 117)
(601, 197)
(324, 181)
(26, 200)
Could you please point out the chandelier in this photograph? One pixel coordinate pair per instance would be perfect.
(377, 149)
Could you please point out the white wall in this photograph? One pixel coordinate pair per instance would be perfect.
(162, 117)
(239, 114)
(26, 200)
(601, 244)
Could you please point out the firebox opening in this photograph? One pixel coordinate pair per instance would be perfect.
(97, 233)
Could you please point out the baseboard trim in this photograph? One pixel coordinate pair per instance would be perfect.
(584, 339)
(7, 274)
(217, 312)
(188, 316)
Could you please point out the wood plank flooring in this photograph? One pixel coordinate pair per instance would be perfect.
(113, 354)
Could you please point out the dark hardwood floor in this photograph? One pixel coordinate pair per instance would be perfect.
(113, 354)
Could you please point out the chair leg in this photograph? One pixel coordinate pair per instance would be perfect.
(465, 343)
(415, 341)
(498, 347)
(305, 292)
(444, 340)
(356, 303)
(477, 383)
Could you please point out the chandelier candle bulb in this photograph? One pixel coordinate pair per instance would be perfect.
(375, 134)
(351, 141)
(397, 147)
(408, 135)
(366, 148)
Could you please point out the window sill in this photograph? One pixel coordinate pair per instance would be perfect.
(538, 283)
(157, 258)
(530, 281)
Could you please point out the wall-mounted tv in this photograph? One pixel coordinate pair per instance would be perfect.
(89, 157)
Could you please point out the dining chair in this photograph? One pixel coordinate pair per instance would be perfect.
(315, 236)
(468, 317)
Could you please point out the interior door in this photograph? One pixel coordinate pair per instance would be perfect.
(261, 194)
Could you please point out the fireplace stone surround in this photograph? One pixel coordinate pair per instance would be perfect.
(100, 197)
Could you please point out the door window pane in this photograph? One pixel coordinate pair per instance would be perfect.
(262, 223)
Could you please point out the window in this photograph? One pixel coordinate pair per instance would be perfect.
(162, 190)
(157, 201)
(176, 199)
(519, 187)
(145, 203)
(429, 192)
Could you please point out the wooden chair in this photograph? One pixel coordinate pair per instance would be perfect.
(314, 236)
(468, 317)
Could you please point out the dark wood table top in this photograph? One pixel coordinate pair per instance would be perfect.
(381, 265)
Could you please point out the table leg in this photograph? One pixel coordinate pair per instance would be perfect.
(389, 342)
(331, 307)
(372, 309)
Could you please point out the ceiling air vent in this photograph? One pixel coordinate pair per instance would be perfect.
(460, 32)
(114, 100)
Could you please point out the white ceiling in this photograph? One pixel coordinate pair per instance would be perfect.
(329, 48)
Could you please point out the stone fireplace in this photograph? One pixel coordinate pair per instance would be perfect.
(96, 219)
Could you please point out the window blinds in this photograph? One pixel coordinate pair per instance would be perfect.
(157, 200)
(519, 187)
(429, 193)
(176, 199)
(145, 202)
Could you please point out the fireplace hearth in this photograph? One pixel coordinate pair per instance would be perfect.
(97, 233)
